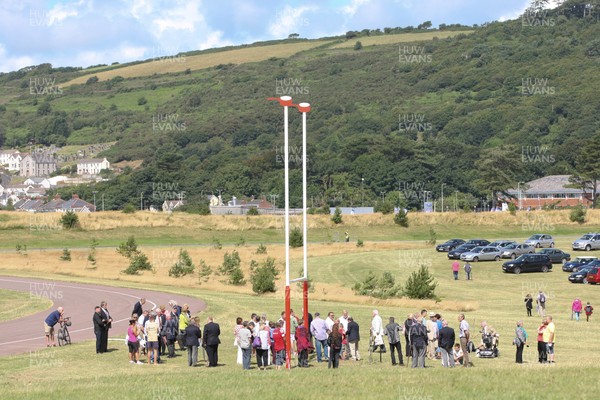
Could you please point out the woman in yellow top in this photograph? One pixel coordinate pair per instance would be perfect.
(184, 321)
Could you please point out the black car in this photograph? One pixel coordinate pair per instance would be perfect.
(449, 245)
(463, 248)
(578, 263)
(478, 242)
(556, 255)
(528, 263)
(581, 275)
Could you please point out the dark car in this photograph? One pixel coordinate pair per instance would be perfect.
(581, 275)
(578, 263)
(449, 245)
(528, 263)
(556, 255)
(593, 275)
(463, 248)
(478, 242)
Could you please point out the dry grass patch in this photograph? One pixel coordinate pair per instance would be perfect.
(399, 38)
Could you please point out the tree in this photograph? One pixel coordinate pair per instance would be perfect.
(139, 262)
(296, 239)
(337, 216)
(263, 278)
(425, 25)
(69, 220)
(183, 266)
(128, 248)
(293, 36)
(401, 218)
(420, 285)
(358, 45)
(588, 168)
(499, 169)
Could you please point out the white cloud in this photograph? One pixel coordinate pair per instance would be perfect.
(123, 52)
(290, 19)
(214, 39)
(8, 63)
(353, 7)
(183, 18)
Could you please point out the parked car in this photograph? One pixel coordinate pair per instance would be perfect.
(556, 255)
(540, 240)
(528, 263)
(578, 263)
(502, 243)
(515, 250)
(478, 242)
(593, 275)
(589, 241)
(482, 253)
(463, 248)
(449, 245)
(581, 275)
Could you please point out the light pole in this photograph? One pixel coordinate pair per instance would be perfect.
(455, 200)
(94, 193)
(103, 201)
(362, 192)
(141, 201)
(443, 197)
(519, 194)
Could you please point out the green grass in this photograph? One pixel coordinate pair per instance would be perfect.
(15, 304)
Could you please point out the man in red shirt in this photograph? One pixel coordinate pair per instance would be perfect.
(455, 269)
(279, 345)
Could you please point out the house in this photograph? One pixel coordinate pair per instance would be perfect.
(37, 164)
(549, 190)
(18, 190)
(76, 205)
(53, 205)
(28, 205)
(257, 203)
(92, 166)
(40, 181)
(170, 205)
(11, 159)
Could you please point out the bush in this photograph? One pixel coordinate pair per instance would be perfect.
(512, 209)
(230, 263)
(128, 248)
(261, 249)
(263, 278)
(183, 266)
(385, 207)
(359, 243)
(432, 237)
(128, 209)
(337, 216)
(382, 288)
(296, 239)
(66, 255)
(141, 101)
(420, 285)
(237, 277)
(401, 218)
(358, 45)
(252, 211)
(578, 215)
(69, 220)
(205, 271)
(139, 262)
(92, 254)
(217, 244)
(241, 241)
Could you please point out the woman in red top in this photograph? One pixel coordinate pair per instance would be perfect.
(303, 343)
(279, 346)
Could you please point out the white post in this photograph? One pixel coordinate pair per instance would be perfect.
(286, 166)
(304, 200)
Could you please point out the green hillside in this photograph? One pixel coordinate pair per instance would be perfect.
(513, 100)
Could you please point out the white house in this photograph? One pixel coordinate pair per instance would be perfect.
(43, 182)
(12, 159)
(92, 166)
(37, 164)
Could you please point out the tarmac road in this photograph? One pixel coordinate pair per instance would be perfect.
(78, 299)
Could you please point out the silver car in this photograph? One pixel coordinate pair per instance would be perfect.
(590, 241)
(482, 253)
(502, 243)
(515, 250)
(540, 240)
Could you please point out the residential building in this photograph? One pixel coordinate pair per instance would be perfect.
(11, 159)
(37, 164)
(43, 182)
(92, 166)
(170, 205)
(77, 205)
(549, 190)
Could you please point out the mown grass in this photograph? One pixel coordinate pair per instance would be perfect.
(15, 304)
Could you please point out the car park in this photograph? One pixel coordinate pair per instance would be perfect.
(478, 242)
(449, 245)
(463, 248)
(528, 263)
(578, 263)
(588, 242)
(515, 250)
(540, 240)
(502, 243)
(593, 275)
(556, 255)
(481, 253)
(581, 275)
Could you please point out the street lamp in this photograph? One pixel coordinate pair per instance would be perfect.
(141, 201)
(94, 193)
(443, 197)
(455, 200)
(362, 192)
(519, 194)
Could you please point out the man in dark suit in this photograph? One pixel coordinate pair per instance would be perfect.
(99, 323)
(107, 326)
(447, 338)
(210, 340)
(353, 336)
(137, 308)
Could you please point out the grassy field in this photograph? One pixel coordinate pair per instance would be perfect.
(236, 56)
(399, 38)
(15, 305)
(334, 267)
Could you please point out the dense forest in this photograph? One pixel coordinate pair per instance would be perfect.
(470, 115)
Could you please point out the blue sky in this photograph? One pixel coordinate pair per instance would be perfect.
(89, 32)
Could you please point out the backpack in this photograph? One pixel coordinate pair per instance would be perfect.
(467, 268)
(588, 309)
(542, 298)
(256, 343)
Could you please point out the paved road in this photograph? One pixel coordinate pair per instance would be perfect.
(79, 299)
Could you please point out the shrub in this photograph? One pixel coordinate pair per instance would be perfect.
(139, 262)
(578, 215)
(141, 101)
(337, 216)
(261, 249)
(512, 209)
(183, 266)
(230, 263)
(69, 220)
(205, 271)
(252, 211)
(92, 254)
(128, 209)
(128, 248)
(66, 255)
(237, 277)
(217, 244)
(432, 237)
(296, 239)
(263, 277)
(360, 243)
(357, 45)
(401, 218)
(240, 242)
(383, 287)
(420, 285)
(385, 208)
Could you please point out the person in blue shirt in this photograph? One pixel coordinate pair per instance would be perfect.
(49, 322)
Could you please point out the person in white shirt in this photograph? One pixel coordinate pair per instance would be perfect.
(344, 323)
(377, 332)
(329, 321)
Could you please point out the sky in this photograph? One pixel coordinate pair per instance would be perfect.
(90, 32)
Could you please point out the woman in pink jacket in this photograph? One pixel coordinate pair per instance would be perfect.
(576, 309)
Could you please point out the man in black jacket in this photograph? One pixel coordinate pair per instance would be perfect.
(192, 339)
(393, 332)
(418, 340)
(353, 336)
(446, 341)
(107, 326)
(210, 340)
(99, 323)
(137, 308)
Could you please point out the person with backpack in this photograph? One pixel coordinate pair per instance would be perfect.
(468, 270)
(588, 311)
(262, 343)
(520, 341)
(335, 344)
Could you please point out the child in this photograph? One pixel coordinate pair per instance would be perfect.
(588, 311)
(457, 354)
